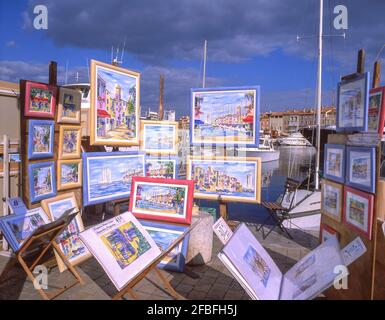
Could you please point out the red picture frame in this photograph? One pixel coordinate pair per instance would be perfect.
(374, 112)
(365, 231)
(159, 204)
(328, 229)
(29, 86)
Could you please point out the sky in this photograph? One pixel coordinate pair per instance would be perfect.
(250, 42)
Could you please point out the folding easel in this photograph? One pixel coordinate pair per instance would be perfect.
(128, 288)
(38, 243)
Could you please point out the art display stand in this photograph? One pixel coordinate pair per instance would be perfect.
(36, 246)
(128, 288)
(366, 275)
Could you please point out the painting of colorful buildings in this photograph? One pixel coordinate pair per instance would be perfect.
(41, 138)
(42, 180)
(40, 100)
(161, 168)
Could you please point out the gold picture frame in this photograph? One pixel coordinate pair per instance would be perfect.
(69, 106)
(155, 133)
(332, 187)
(238, 190)
(68, 174)
(56, 206)
(66, 145)
(109, 125)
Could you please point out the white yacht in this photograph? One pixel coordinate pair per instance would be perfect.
(265, 150)
(295, 140)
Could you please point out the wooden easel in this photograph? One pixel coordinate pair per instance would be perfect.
(37, 245)
(128, 288)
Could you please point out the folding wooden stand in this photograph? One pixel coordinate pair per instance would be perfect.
(128, 288)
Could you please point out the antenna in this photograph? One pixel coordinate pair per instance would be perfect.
(88, 70)
(112, 54)
(124, 46)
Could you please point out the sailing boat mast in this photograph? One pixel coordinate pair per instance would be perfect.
(319, 95)
(204, 64)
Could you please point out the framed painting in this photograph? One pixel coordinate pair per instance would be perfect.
(39, 100)
(332, 199)
(122, 247)
(358, 211)
(361, 168)
(164, 236)
(70, 139)
(334, 162)
(226, 178)
(376, 119)
(42, 180)
(18, 227)
(115, 106)
(69, 106)
(225, 116)
(160, 137)
(158, 167)
(382, 159)
(69, 241)
(69, 174)
(327, 232)
(40, 139)
(162, 199)
(353, 104)
(107, 175)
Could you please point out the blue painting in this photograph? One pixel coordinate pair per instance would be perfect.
(259, 266)
(42, 180)
(40, 139)
(159, 137)
(107, 175)
(225, 116)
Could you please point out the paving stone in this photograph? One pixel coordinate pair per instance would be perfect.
(197, 295)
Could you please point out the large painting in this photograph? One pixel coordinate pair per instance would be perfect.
(122, 247)
(114, 105)
(158, 167)
(159, 137)
(40, 139)
(223, 116)
(107, 175)
(353, 104)
(230, 178)
(42, 180)
(162, 199)
(69, 241)
(40, 100)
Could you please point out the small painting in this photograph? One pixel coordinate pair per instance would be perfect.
(229, 178)
(257, 265)
(40, 100)
(69, 174)
(69, 142)
(40, 139)
(42, 180)
(159, 137)
(114, 105)
(225, 116)
(327, 232)
(69, 106)
(376, 118)
(353, 104)
(332, 199)
(334, 162)
(107, 175)
(166, 168)
(162, 199)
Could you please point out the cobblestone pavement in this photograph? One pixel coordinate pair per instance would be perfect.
(210, 281)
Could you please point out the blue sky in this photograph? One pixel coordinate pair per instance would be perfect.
(250, 42)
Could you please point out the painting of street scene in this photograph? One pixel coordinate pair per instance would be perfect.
(159, 137)
(41, 134)
(116, 106)
(374, 111)
(357, 210)
(22, 226)
(160, 168)
(70, 142)
(69, 173)
(331, 200)
(334, 162)
(257, 265)
(224, 116)
(70, 108)
(225, 178)
(111, 176)
(360, 172)
(160, 199)
(126, 243)
(42, 180)
(40, 100)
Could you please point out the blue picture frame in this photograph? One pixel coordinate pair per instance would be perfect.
(174, 159)
(334, 166)
(107, 189)
(152, 227)
(33, 184)
(364, 90)
(40, 155)
(255, 121)
(361, 168)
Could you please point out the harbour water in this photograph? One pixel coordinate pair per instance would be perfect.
(208, 131)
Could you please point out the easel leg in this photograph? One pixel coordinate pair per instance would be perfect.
(223, 210)
(168, 286)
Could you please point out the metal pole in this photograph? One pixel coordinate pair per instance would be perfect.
(319, 95)
(204, 65)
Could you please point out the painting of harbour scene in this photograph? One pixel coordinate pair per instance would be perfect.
(161, 168)
(109, 175)
(40, 143)
(225, 116)
(114, 105)
(126, 243)
(69, 173)
(42, 178)
(159, 138)
(236, 180)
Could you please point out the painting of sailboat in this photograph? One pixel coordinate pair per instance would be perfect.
(108, 175)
